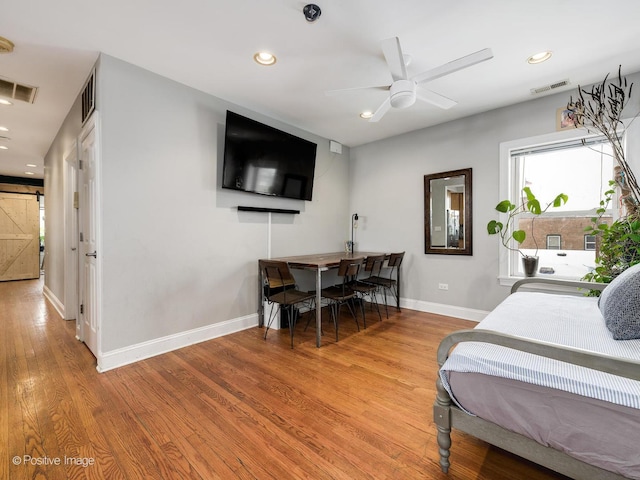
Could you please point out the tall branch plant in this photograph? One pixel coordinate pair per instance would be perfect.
(600, 110)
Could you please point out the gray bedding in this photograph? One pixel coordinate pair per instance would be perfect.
(594, 431)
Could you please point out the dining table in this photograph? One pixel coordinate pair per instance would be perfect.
(319, 263)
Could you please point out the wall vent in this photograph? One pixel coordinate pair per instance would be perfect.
(551, 86)
(17, 91)
(89, 97)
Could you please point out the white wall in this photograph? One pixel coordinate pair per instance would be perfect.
(54, 204)
(389, 198)
(177, 255)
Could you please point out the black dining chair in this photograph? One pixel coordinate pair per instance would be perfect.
(280, 288)
(342, 293)
(386, 279)
(364, 289)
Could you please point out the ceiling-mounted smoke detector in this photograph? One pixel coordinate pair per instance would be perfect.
(6, 46)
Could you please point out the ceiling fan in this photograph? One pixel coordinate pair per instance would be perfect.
(404, 90)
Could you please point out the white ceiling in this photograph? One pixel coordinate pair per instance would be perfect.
(209, 45)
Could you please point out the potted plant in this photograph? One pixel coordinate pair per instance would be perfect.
(509, 230)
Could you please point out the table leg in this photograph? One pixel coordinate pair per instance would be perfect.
(261, 298)
(318, 307)
(398, 287)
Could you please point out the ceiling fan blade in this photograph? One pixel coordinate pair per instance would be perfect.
(382, 109)
(454, 66)
(394, 57)
(435, 99)
(339, 91)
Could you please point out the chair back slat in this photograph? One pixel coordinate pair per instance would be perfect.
(349, 267)
(395, 259)
(376, 264)
(277, 274)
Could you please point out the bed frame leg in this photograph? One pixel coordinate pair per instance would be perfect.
(442, 419)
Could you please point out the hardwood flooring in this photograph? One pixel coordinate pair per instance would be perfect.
(234, 407)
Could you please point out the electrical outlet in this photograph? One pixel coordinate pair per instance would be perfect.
(443, 286)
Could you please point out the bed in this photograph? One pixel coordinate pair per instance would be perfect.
(543, 377)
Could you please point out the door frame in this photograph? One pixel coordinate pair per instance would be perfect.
(71, 235)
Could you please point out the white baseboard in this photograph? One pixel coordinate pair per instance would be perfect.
(53, 300)
(134, 353)
(442, 309)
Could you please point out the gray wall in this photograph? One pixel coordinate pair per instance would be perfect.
(389, 197)
(177, 255)
(54, 202)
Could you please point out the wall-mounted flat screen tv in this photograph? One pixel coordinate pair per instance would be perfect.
(262, 159)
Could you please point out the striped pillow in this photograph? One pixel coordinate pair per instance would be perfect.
(620, 304)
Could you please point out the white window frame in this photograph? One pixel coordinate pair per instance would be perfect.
(508, 186)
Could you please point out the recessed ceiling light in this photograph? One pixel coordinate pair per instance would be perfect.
(6, 45)
(31, 165)
(5, 102)
(539, 57)
(29, 173)
(3, 129)
(366, 115)
(264, 58)
(4, 147)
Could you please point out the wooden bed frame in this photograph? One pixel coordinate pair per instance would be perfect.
(447, 415)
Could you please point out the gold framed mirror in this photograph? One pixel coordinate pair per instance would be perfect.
(448, 213)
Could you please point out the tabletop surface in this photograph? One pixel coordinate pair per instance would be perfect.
(319, 260)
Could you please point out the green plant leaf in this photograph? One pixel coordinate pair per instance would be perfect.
(529, 194)
(533, 206)
(560, 199)
(505, 206)
(519, 236)
(494, 227)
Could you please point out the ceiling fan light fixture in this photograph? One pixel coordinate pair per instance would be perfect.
(264, 58)
(403, 93)
(539, 57)
(367, 114)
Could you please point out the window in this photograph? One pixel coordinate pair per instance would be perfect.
(577, 165)
(554, 242)
(589, 242)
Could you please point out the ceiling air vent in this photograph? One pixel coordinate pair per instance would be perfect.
(552, 86)
(16, 91)
(89, 97)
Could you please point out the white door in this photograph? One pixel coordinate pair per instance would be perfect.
(88, 298)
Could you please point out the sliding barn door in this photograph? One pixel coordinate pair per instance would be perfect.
(19, 237)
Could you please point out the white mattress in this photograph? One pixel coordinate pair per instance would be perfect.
(562, 319)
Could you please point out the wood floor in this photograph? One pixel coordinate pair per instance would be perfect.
(234, 407)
